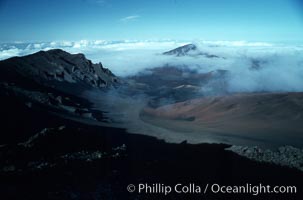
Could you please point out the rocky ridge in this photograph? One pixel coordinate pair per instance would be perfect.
(54, 67)
(284, 156)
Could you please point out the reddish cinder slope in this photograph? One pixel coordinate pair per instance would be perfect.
(239, 113)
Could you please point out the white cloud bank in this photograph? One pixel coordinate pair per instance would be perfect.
(280, 66)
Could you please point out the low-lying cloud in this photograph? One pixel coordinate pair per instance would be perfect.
(252, 66)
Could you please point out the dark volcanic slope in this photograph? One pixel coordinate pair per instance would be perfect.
(88, 163)
(36, 87)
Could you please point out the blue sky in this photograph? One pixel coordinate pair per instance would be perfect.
(48, 20)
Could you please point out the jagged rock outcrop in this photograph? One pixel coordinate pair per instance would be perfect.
(54, 68)
(285, 156)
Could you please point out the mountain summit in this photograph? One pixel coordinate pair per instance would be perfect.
(189, 50)
(182, 51)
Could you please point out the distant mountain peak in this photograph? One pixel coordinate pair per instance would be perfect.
(182, 51)
(189, 50)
